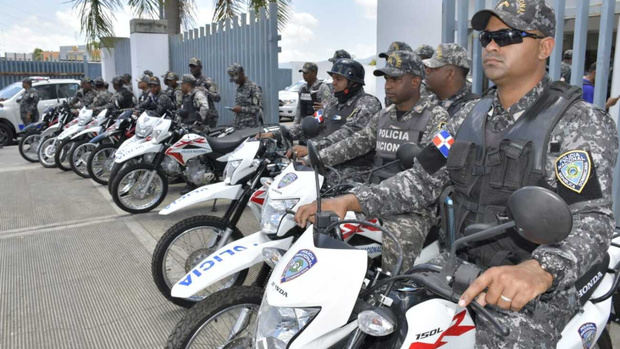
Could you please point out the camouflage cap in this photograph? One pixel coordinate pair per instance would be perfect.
(171, 76)
(154, 80)
(99, 82)
(144, 78)
(309, 66)
(338, 55)
(519, 14)
(195, 61)
(148, 72)
(400, 63)
(234, 70)
(126, 77)
(395, 46)
(450, 53)
(188, 79)
(424, 51)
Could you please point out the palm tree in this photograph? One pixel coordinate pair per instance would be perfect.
(96, 16)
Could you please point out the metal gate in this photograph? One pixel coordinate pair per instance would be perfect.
(250, 40)
(15, 70)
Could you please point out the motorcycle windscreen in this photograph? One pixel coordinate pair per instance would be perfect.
(309, 276)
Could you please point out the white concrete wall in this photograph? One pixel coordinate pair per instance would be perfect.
(108, 66)
(415, 22)
(148, 51)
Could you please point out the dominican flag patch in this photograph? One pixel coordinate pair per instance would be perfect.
(318, 116)
(443, 141)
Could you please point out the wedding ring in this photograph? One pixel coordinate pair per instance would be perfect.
(505, 298)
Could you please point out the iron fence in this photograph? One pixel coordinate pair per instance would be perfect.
(16, 70)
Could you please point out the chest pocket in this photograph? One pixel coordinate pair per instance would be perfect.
(510, 165)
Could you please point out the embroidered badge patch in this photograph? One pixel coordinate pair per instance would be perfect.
(573, 169)
(287, 179)
(587, 332)
(443, 141)
(301, 262)
(318, 116)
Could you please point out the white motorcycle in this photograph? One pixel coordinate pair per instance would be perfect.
(314, 300)
(65, 142)
(46, 149)
(191, 240)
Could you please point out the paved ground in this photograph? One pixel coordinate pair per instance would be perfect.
(75, 270)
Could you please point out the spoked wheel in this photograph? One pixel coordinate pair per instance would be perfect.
(29, 146)
(79, 157)
(117, 167)
(47, 152)
(61, 157)
(226, 319)
(139, 188)
(184, 246)
(100, 162)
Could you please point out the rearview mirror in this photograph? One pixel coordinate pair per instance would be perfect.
(406, 153)
(315, 159)
(541, 216)
(310, 127)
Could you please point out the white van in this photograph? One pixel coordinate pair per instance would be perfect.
(51, 92)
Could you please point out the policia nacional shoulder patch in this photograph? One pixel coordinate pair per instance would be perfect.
(576, 175)
(573, 169)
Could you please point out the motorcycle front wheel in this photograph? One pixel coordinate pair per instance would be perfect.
(139, 188)
(226, 319)
(29, 146)
(61, 157)
(47, 151)
(78, 157)
(100, 163)
(184, 246)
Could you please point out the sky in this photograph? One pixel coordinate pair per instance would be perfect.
(315, 30)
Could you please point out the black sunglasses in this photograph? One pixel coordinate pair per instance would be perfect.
(506, 37)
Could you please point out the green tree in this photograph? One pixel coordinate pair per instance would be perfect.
(37, 54)
(96, 16)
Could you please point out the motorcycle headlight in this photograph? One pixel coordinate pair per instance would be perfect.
(278, 325)
(230, 168)
(273, 211)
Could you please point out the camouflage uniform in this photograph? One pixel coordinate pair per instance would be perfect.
(411, 229)
(28, 105)
(452, 54)
(305, 102)
(210, 90)
(101, 100)
(83, 98)
(195, 106)
(250, 98)
(582, 127)
(160, 103)
(565, 67)
(122, 99)
(175, 94)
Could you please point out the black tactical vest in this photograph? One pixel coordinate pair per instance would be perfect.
(391, 134)
(455, 107)
(336, 117)
(486, 166)
(189, 113)
(305, 99)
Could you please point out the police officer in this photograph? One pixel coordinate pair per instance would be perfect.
(313, 95)
(157, 101)
(399, 46)
(565, 67)
(347, 112)
(543, 134)
(28, 105)
(248, 100)
(103, 97)
(195, 106)
(126, 78)
(85, 95)
(424, 51)
(209, 88)
(143, 86)
(122, 98)
(446, 76)
(174, 90)
(410, 119)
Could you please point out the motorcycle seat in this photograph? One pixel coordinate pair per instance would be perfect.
(587, 284)
(226, 144)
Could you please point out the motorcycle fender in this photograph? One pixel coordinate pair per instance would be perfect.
(205, 193)
(50, 130)
(139, 149)
(73, 129)
(94, 130)
(232, 258)
(438, 322)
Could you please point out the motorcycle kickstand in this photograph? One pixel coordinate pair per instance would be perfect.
(213, 209)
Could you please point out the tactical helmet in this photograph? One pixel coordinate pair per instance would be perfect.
(352, 70)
